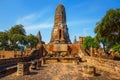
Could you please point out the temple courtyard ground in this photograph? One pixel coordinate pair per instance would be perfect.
(62, 71)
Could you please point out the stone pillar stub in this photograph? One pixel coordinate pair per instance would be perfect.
(39, 64)
(23, 68)
(88, 71)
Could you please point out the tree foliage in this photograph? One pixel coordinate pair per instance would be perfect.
(17, 29)
(3, 40)
(32, 41)
(116, 48)
(16, 38)
(89, 42)
(108, 29)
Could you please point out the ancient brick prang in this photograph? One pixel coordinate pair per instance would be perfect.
(60, 31)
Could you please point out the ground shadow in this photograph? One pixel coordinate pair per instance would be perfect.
(42, 67)
(97, 74)
(33, 73)
(116, 58)
(6, 72)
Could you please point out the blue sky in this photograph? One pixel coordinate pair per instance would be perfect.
(35, 15)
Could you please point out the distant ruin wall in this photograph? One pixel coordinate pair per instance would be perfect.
(33, 54)
(9, 54)
(12, 61)
(15, 54)
(104, 64)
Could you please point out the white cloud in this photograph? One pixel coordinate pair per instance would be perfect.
(31, 18)
(82, 22)
(26, 19)
(32, 21)
(39, 26)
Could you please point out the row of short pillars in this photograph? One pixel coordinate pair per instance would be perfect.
(23, 68)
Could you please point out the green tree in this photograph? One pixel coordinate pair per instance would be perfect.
(17, 29)
(89, 42)
(108, 29)
(17, 36)
(17, 40)
(116, 48)
(3, 40)
(32, 41)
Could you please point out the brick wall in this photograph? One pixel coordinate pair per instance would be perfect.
(11, 60)
(15, 54)
(104, 64)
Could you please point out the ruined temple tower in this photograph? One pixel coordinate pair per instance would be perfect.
(60, 33)
(39, 36)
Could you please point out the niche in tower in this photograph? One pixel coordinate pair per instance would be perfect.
(60, 34)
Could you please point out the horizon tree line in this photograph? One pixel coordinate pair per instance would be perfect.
(16, 39)
(107, 32)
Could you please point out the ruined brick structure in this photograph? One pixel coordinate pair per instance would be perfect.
(60, 43)
(60, 31)
(39, 36)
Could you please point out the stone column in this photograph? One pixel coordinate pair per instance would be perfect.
(39, 62)
(23, 68)
(43, 61)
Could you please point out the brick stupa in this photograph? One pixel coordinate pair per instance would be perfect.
(60, 33)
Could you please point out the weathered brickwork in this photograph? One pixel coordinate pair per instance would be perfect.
(60, 31)
(105, 64)
(15, 54)
(23, 69)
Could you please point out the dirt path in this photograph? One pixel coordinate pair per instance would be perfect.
(64, 71)
(60, 71)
